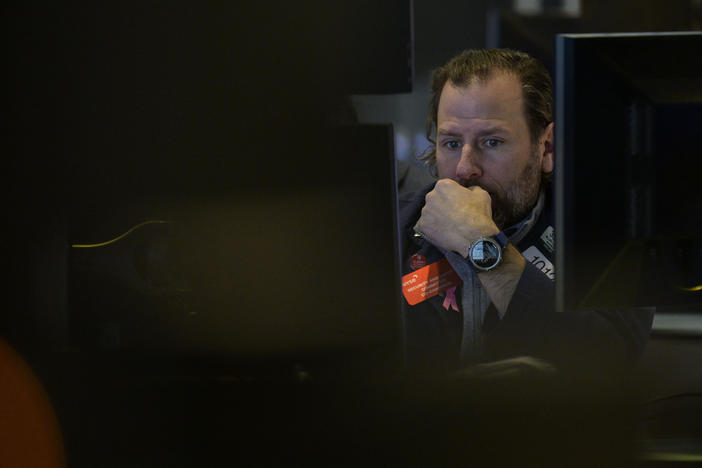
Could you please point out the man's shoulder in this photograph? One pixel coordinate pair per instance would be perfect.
(411, 203)
(412, 177)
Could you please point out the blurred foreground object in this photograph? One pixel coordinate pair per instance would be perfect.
(29, 434)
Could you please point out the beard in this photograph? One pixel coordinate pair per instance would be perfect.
(514, 204)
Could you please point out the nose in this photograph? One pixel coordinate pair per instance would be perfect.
(468, 167)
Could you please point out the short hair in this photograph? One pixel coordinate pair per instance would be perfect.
(479, 65)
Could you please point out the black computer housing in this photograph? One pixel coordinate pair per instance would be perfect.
(628, 205)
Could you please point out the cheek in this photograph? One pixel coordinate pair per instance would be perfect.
(499, 177)
(506, 174)
(509, 168)
(446, 167)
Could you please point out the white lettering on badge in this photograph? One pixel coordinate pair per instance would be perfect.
(539, 260)
(547, 238)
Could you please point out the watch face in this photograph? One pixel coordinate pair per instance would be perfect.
(485, 254)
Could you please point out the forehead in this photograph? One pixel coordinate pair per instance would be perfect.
(497, 99)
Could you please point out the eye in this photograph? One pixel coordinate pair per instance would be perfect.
(492, 142)
(452, 145)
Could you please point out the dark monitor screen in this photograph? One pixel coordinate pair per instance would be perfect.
(628, 165)
(305, 272)
(216, 119)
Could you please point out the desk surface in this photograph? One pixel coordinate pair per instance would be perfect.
(678, 323)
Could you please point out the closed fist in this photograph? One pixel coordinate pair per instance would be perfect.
(455, 216)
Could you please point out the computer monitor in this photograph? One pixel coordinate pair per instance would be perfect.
(628, 164)
(304, 273)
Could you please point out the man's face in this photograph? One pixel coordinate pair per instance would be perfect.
(483, 139)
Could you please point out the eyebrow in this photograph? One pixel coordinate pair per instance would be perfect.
(482, 132)
(447, 133)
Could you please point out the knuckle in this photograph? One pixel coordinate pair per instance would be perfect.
(442, 184)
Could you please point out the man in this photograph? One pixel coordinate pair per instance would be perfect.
(478, 245)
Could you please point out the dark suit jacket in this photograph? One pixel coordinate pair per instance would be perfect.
(580, 341)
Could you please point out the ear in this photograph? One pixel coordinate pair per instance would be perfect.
(546, 149)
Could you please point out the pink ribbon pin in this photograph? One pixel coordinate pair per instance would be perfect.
(450, 299)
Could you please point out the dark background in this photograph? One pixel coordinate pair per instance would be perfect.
(114, 112)
(115, 103)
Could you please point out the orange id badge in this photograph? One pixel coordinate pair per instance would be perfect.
(429, 281)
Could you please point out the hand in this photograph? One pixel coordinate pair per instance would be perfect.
(455, 216)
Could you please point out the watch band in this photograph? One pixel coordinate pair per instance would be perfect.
(501, 239)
